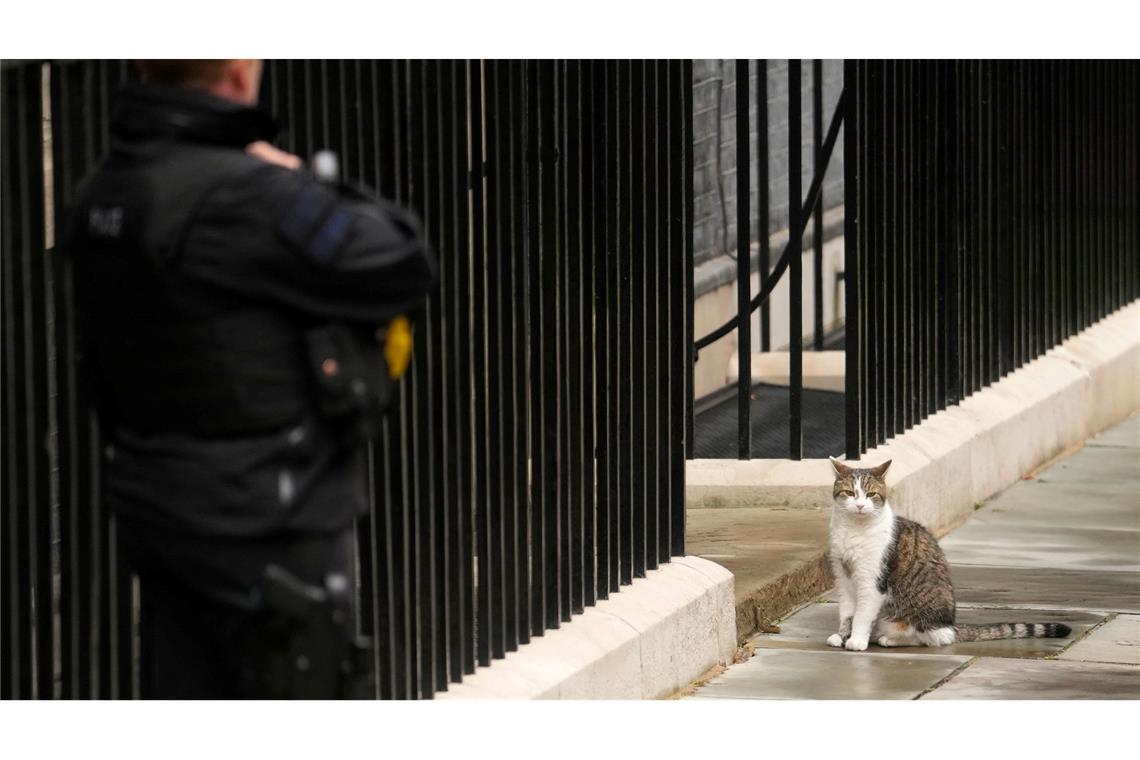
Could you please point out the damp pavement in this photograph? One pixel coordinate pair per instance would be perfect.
(1060, 546)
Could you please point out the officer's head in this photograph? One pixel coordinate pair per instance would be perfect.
(236, 79)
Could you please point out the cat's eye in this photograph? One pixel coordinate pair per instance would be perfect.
(872, 494)
(845, 493)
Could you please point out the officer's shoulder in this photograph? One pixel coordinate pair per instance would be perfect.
(235, 162)
(267, 176)
(240, 176)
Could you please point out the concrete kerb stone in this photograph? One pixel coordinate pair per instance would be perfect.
(653, 637)
(767, 604)
(724, 599)
(718, 483)
(670, 647)
(610, 665)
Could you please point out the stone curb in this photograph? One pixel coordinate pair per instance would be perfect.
(767, 604)
(648, 641)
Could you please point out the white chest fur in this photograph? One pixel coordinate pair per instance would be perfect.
(858, 543)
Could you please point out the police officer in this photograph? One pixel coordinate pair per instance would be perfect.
(233, 312)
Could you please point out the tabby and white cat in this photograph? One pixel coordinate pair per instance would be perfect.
(892, 578)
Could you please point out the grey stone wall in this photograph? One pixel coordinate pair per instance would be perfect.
(712, 235)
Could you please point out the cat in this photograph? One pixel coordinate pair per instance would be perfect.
(892, 577)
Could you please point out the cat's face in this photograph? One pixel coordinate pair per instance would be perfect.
(861, 492)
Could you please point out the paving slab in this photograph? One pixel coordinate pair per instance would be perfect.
(1102, 505)
(1095, 465)
(1126, 433)
(1082, 513)
(785, 674)
(1116, 641)
(808, 629)
(996, 678)
(1045, 547)
(1046, 588)
(1043, 526)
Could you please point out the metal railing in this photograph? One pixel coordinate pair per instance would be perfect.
(992, 211)
(68, 627)
(800, 211)
(535, 463)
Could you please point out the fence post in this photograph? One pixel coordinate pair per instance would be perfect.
(817, 212)
(795, 244)
(743, 268)
(851, 262)
(762, 216)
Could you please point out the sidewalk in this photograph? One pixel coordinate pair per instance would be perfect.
(1063, 546)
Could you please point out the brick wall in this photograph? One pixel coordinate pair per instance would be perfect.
(712, 236)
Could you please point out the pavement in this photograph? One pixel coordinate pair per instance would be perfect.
(1062, 545)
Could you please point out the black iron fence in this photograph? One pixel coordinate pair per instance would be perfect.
(801, 209)
(535, 463)
(992, 211)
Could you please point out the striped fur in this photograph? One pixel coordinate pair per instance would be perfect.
(892, 578)
(994, 631)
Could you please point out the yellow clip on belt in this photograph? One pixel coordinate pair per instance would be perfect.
(398, 346)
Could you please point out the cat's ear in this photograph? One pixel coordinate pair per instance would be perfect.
(881, 470)
(841, 469)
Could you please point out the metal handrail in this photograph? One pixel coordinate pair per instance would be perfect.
(782, 265)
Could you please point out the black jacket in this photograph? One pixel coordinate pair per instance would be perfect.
(198, 270)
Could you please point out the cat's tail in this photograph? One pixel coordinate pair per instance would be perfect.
(994, 631)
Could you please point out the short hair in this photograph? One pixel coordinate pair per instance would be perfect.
(189, 73)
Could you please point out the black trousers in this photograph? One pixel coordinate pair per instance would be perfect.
(204, 634)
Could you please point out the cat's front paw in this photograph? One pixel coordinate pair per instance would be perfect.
(856, 644)
(885, 641)
(835, 640)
